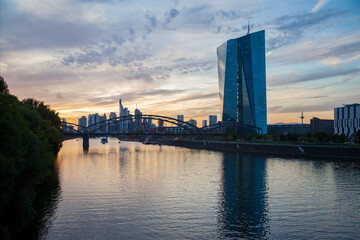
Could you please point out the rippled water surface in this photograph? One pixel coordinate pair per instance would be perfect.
(132, 191)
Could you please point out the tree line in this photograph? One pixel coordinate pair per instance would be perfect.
(30, 138)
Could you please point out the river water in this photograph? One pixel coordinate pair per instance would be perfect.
(129, 190)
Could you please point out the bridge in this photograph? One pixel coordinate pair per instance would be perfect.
(183, 128)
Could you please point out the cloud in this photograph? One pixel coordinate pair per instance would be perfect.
(331, 52)
(192, 97)
(232, 14)
(320, 74)
(170, 15)
(290, 28)
(138, 95)
(319, 5)
(151, 23)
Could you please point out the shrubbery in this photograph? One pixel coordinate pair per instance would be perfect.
(30, 137)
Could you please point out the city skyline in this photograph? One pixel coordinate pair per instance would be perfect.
(163, 56)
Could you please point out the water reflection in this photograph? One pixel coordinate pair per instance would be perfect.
(136, 191)
(85, 144)
(243, 211)
(47, 198)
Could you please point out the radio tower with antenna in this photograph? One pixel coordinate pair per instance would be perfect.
(248, 27)
(302, 117)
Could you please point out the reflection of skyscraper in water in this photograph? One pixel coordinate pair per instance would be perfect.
(243, 205)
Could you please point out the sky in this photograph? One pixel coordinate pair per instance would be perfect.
(81, 56)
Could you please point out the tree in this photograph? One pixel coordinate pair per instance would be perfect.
(30, 137)
(3, 86)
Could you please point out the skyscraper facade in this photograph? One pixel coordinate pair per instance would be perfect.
(347, 119)
(138, 119)
(82, 122)
(181, 119)
(113, 123)
(204, 123)
(212, 120)
(242, 80)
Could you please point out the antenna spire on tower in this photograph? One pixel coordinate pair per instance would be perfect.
(248, 27)
(302, 117)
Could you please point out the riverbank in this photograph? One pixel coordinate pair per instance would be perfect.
(335, 152)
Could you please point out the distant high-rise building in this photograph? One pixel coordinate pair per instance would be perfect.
(64, 125)
(180, 122)
(204, 123)
(321, 125)
(242, 80)
(93, 119)
(180, 119)
(130, 123)
(113, 123)
(212, 120)
(138, 119)
(120, 107)
(102, 126)
(82, 124)
(124, 122)
(347, 119)
(121, 114)
(193, 122)
(161, 123)
(285, 129)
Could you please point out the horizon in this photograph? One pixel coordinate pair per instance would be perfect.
(162, 56)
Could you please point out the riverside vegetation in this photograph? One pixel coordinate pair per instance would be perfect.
(30, 138)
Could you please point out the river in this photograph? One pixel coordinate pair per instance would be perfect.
(129, 190)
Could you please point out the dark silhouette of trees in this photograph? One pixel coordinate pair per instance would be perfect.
(30, 137)
(3, 86)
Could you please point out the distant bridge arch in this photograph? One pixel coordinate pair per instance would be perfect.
(187, 127)
(93, 128)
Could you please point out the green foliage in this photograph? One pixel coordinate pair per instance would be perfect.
(3, 86)
(30, 136)
(248, 137)
(336, 138)
(228, 137)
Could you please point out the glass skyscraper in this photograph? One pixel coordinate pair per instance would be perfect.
(242, 80)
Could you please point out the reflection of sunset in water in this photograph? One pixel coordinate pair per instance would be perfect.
(133, 191)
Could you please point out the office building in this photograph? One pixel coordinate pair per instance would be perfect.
(160, 126)
(64, 125)
(180, 119)
(124, 122)
(113, 123)
(82, 122)
(147, 124)
(242, 81)
(192, 122)
(93, 120)
(212, 120)
(321, 125)
(347, 119)
(204, 123)
(102, 126)
(285, 129)
(138, 119)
